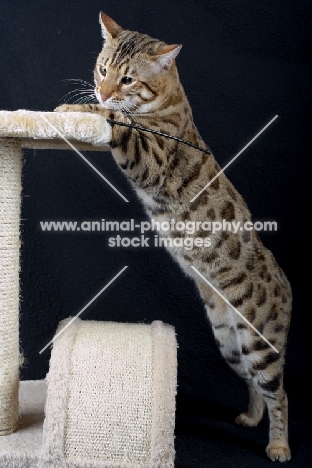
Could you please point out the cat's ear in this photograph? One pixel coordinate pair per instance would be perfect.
(109, 28)
(165, 56)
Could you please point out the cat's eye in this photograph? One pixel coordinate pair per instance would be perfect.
(127, 80)
(103, 70)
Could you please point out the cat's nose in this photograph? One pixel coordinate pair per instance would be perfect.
(104, 97)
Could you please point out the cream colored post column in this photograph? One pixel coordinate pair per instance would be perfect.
(10, 202)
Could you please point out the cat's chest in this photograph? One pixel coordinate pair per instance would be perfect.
(147, 199)
(153, 206)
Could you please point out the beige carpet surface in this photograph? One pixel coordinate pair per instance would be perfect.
(23, 447)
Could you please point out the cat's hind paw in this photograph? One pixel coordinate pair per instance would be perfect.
(245, 420)
(278, 451)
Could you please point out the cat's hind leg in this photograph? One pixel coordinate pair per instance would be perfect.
(278, 448)
(255, 408)
(276, 402)
(268, 380)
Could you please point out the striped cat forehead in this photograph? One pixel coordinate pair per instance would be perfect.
(121, 45)
(112, 33)
(128, 45)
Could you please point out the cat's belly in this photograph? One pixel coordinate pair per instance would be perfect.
(179, 244)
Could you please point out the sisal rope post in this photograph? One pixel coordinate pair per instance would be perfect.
(27, 129)
(10, 202)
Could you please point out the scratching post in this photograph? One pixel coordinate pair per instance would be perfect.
(26, 129)
(10, 196)
(109, 396)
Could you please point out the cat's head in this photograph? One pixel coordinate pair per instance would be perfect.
(133, 71)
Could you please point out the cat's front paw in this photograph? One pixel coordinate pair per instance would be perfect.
(278, 451)
(68, 108)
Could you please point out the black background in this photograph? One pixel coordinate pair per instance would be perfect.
(242, 62)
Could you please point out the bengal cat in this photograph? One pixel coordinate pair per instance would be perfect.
(136, 81)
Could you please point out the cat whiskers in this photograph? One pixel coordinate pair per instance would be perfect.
(86, 99)
(126, 108)
(80, 82)
(82, 95)
(85, 95)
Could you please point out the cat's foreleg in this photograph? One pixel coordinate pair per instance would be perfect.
(117, 131)
(94, 108)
